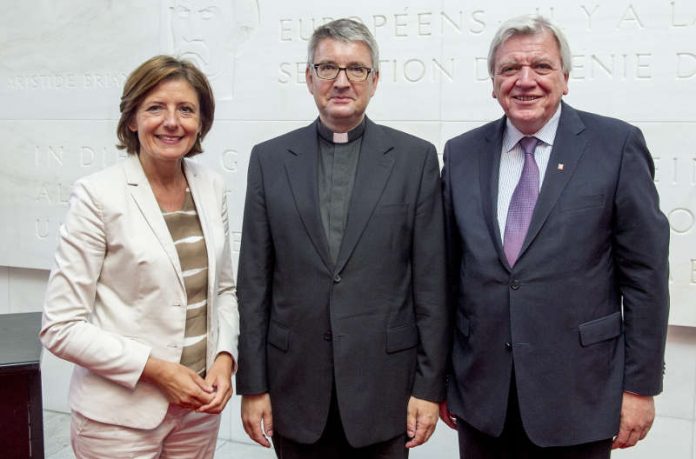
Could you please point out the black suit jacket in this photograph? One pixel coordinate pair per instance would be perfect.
(597, 238)
(374, 324)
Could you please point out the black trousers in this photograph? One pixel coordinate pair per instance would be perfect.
(515, 444)
(333, 444)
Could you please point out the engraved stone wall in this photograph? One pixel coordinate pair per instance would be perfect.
(63, 64)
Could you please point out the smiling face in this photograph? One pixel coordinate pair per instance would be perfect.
(529, 81)
(341, 102)
(167, 122)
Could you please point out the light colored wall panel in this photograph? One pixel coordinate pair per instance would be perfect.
(673, 146)
(4, 290)
(442, 445)
(69, 59)
(236, 430)
(226, 422)
(27, 287)
(668, 438)
(44, 158)
(55, 381)
(679, 396)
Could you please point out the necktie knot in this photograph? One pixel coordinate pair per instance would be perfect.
(528, 144)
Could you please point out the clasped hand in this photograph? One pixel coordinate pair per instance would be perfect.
(183, 387)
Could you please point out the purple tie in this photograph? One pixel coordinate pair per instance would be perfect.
(522, 204)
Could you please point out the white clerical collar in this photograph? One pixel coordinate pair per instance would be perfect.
(340, 137)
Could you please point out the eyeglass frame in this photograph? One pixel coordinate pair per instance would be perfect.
(344, 69)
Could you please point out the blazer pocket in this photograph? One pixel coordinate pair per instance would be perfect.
(278, 336)
(601, 329)
(582, 202)
(401, 338)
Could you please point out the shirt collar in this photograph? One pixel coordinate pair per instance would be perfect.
(333, 137)
(546, 134)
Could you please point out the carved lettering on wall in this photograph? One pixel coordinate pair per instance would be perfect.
(634, 60)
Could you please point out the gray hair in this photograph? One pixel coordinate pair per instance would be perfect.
(347, 31)
(529, 25)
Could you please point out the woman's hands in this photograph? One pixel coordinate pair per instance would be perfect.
(183, 387)
(220, 378)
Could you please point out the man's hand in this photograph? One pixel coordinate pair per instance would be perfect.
(220, 378)
(181, 385)
(637, 415)
(421, 417)
(255, 410)
(447, 417)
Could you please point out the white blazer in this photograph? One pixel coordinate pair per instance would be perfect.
(116, 292)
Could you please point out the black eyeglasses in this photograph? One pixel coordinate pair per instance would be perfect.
(331, 71)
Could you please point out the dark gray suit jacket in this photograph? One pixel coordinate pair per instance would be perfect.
(375, 323)
(597, 239)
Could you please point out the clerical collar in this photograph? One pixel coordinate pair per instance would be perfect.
(340, 137)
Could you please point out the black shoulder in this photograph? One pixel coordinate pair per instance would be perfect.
(401, 138)
(600, 122)
(488, 131)
(284, 141)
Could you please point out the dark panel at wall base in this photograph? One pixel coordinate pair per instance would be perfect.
(21, 413)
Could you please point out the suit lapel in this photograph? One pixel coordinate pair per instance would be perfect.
(202, 198)
(489, 171)
(145, 200)
(568, 148)
(374, 167)
(301, 168)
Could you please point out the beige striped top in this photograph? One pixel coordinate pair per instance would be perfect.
(187, 235)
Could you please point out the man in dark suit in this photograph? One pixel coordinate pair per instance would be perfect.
(342, 273)
(558, 267)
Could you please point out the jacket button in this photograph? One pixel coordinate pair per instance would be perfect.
(508, 346)
(337, 278)
(515, 284)
(327, 336)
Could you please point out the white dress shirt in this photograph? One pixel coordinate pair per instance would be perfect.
(512, 161)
